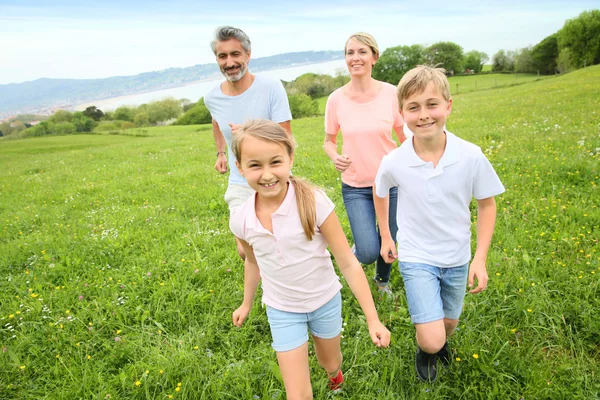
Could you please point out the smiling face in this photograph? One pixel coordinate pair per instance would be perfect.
(232, 59)
(266, 166)
(359, 58)
(425, 113)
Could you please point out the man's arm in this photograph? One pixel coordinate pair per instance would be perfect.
(287, 126)
(221, 164)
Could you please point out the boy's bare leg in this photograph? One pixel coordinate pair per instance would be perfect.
(450, 325)
(431, 336)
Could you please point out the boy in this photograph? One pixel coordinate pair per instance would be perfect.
(437, 175)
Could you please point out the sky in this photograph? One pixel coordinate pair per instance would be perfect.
(97, 39)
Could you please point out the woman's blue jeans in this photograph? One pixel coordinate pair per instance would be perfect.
(363, 223)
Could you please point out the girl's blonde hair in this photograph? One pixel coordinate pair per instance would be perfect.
(272, 132)
(417, 79)
(365, 39)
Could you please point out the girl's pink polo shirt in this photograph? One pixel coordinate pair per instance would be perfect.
(297, 274)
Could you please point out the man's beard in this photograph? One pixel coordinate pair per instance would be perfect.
(234, 78)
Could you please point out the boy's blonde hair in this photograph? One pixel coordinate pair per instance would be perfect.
(365, 39)
(272, 132)
(417, 79)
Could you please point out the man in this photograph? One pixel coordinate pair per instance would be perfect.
(241, 97)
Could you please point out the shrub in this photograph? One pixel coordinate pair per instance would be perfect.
(302, 106)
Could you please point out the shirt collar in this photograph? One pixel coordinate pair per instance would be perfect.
(449, 157)
(284, 208)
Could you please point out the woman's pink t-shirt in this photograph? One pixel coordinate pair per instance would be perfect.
(366, 131)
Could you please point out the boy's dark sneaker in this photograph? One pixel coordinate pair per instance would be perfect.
(335, 383)
(425, 364)
(444, 355)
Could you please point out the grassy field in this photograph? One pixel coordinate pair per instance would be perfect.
(470, 83)
(119, 274)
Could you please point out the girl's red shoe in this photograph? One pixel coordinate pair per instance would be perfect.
(335, 383)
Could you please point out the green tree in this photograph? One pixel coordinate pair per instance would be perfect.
(524, 61)
(301, 105)
(82, 123)
(545, 55)
(61, 116)
(503, 61)
(394, 62)
(447, 55)
(474, 60)
(198, 114)
(581, 35)
(565, 62)
(94, 113)
(141, 118)
(124, 113)
(164, 110)
(63, 128)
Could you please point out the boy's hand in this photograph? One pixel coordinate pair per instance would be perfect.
(388, 250)
(234, 128)
(240, 315)
(379, 334)
(478, 271)
(342, 162)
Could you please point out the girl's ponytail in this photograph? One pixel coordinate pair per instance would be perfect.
(307, 206)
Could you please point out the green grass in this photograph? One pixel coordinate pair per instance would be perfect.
(471, 83)
(119, 274)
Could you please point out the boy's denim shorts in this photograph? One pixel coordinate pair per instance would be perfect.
(290, 330)
(434, 293)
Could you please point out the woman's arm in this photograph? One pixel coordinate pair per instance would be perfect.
(341, 161)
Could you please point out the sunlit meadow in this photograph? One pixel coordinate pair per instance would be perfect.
(118, 274)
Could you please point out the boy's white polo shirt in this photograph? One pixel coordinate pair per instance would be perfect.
(297, 274)
(434, 220)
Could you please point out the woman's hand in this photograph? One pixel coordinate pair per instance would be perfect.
(342, 162)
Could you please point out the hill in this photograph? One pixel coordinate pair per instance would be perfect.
(45, 93)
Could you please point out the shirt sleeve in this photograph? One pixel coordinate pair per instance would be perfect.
(332, 125)
(236, 223)
(324, 206)
(486, 182)
(384, 181)
(280, 105)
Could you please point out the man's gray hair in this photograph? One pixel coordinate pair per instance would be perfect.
(224, 33)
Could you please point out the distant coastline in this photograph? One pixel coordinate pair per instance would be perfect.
(44, 96)
(199, 88)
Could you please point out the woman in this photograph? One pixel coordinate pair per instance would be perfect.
(365, 110)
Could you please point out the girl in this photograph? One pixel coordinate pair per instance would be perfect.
(285, 229)
(366, 110)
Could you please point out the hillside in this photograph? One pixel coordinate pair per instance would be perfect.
(26, 97)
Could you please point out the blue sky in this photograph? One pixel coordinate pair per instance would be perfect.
(95, 39)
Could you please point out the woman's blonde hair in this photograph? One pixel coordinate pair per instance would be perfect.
(417, 79)
(272, 132)
(365, 39)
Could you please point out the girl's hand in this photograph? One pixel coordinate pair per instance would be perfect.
(379, 334)
(240, 315)
(342, 162)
